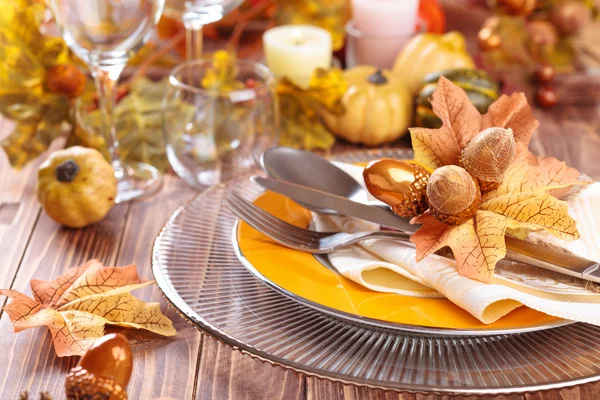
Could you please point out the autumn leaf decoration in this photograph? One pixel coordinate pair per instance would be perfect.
(79, 304)
(527, 198)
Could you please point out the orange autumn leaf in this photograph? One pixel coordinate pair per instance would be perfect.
(80, 303)
(526, 200)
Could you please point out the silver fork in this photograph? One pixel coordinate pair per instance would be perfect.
(297, 238)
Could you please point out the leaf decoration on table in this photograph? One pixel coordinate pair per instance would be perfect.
(299, 108)
(526, 200)
(222, 74)
(78, 305)
(27, 96)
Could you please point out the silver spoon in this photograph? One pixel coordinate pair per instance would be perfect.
(308, 169)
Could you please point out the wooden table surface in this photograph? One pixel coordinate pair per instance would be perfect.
(190, 365)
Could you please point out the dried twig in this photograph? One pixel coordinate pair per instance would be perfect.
(243, 20)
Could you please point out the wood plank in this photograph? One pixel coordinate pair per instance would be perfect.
(572, 134)
(31, 363)
(227, 374)
(172, 359)
(19, 208)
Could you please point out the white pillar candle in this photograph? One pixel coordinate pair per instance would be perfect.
(295, 51)
(385, 17)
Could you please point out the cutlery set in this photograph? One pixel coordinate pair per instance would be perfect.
(300, 180)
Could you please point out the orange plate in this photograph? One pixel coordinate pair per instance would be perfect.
(304, 276)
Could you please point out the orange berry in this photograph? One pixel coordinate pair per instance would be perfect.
(65, 79)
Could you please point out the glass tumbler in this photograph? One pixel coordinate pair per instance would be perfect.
(212, 135)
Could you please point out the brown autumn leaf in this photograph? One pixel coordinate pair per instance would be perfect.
(77, 305)
(526, 200)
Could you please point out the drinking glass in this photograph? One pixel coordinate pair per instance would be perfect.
(212, 135)
(194, 15)
(105, 34)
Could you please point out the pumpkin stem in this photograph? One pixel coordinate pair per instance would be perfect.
(377, 78)
(67, 171)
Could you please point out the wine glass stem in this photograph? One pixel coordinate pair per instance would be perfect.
(106, 79)
(193, 40)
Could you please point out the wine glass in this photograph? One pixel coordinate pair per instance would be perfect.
(105, 34)
(213, 135)
(197, 13)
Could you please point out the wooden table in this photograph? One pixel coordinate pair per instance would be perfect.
(190, 365)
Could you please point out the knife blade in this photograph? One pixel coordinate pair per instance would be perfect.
(317, 198)
(517, 250)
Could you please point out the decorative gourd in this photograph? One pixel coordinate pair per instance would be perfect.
(76, 186)
(378, 108)
(430, 52)
(481, 88)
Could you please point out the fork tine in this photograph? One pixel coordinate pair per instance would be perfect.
(275, 222)
(276, 232)
(240, 211)
(268, 218)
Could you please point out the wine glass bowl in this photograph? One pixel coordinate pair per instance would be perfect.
(206, 12)
(105, 34)
(195, 14)
(106, 29)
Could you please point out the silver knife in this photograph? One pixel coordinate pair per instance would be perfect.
(517, 250)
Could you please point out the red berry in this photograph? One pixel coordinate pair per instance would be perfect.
(544, 73)
(546, 97)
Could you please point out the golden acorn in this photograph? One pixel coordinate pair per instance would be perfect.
(488, 156)
(103, 371)
(453, 195)
(488, 39)
(399, 184)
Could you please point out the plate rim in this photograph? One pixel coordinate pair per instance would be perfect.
(377, 323)
(182, 308)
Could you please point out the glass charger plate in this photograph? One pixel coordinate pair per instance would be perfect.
(196, 267)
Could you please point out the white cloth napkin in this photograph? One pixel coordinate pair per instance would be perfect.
(389, 266)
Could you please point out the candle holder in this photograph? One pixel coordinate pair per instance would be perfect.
(377, 50)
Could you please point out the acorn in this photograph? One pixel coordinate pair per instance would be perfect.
(399, 184)
(453, 195)
(488, 155)
(570, 17)
(488, 39)
(542, 34)
(103, 372)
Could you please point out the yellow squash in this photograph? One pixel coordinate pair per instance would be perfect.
(430, 52)
(378, 108)
(76, 186)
